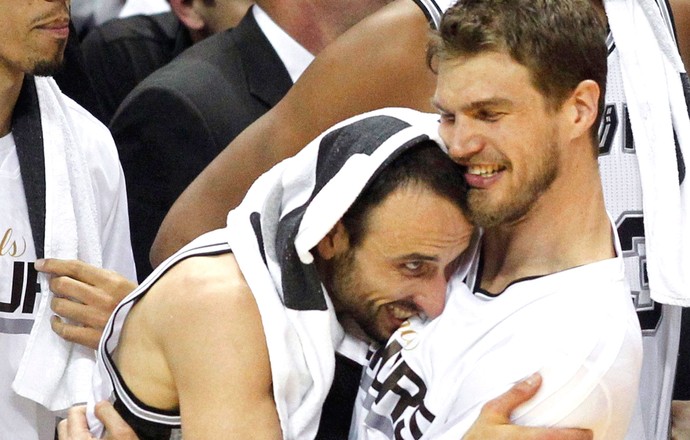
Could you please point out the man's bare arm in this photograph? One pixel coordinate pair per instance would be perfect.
(681, 16)
(195, 342)
(380, 62)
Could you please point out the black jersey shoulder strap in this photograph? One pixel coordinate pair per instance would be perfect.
(28, 136)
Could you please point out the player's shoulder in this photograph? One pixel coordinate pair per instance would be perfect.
(197, 296)
(94, 140)
(87, 129)
(401, 11)
(82, 117)
(201, 284)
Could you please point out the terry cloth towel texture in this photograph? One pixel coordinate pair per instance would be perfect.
(655, 84)
(284, 215)
(71, 232)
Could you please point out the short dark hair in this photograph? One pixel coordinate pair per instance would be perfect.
(423, 164)
(561, 42)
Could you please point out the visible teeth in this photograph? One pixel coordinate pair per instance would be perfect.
(399, 312)
(483, 170)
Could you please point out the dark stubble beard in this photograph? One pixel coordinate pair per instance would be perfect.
(342, 287)
(49, 66)
(482, 213)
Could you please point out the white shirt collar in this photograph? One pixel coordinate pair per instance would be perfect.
(295, 57)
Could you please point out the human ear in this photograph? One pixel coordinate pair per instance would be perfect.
(584, 105)
(334, 243)
(186, 11)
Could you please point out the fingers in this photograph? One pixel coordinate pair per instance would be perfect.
(77, 290)
(85, 296)
(86, 336)
(74, 427)
(494, 419)
(680, 420)
(500, 408)
(115, 426)
(553, 434)
(81, 281)
(90, 315)
(70, 268)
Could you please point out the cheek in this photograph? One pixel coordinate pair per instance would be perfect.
(381, 287)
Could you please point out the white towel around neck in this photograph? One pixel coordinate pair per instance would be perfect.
(54, 372)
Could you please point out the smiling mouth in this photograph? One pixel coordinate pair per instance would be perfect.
(484, 170)
(401, 311)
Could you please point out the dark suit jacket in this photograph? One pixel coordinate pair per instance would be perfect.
(121, 52)
(73, 79)
(180, 117)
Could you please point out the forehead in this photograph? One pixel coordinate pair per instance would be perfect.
(489, 76)
(415, 219)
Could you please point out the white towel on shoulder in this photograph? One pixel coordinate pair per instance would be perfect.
(652, 71)
(54, 372)
(284, 215)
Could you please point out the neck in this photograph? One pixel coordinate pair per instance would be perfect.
(10, 86)
(231, 16)
(316, 23)
(564, 229)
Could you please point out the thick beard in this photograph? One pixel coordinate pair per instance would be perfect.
(480, 211)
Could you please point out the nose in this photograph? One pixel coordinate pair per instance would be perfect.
(462, 138)
(432, 297)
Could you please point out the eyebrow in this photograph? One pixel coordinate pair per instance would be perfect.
(418, 256)
(475, 105)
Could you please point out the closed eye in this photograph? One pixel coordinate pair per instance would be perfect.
(447, 118)
(488, 115)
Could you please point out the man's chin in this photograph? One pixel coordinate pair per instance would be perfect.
(47, 68)
(380, 335)
(49, 64)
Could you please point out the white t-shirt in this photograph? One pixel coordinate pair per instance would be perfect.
(576, 327)
(21, 418)
(18, 301)
(660, 323)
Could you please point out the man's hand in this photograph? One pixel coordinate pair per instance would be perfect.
(494, 420)
(680, 417)
(85, 296)
(74, 427)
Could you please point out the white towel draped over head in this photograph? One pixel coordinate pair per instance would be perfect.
(655, 84)
(52, 371)
(285, 214)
